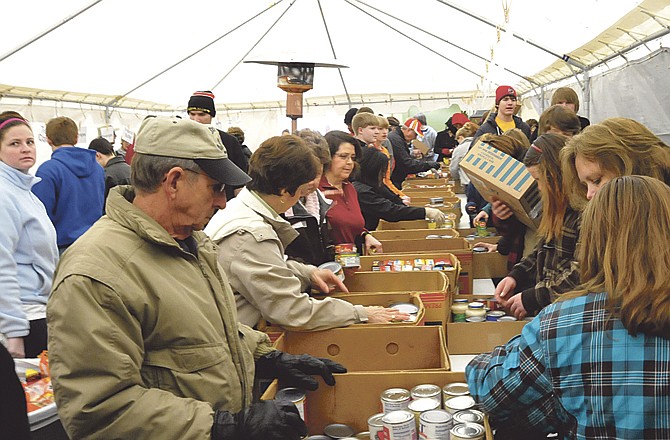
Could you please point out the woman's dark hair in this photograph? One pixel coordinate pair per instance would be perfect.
(373, 166)
(336, 138)
(282, 163)
(11, 119)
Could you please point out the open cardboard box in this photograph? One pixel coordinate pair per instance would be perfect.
(386, 299)
(429, 192)
(405, 224)
(473, 265)
(426, 182)
(479, 337)
(452, 275)
(496, 174)
(373, 348)
(432, 287)
(414, 234)
(356, 394)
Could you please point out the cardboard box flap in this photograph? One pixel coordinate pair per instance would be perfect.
(373, 348)
(413, 234)
(434, 281)
(496, 174)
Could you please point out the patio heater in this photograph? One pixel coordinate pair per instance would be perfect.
(295, 78)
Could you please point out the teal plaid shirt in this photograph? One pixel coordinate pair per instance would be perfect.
(574, 371)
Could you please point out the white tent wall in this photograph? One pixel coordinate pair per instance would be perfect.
(638, 90)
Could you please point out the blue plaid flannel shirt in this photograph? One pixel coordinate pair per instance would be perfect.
(576, 371)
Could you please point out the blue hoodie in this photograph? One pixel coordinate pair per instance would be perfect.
(28, 252)
(72, 190)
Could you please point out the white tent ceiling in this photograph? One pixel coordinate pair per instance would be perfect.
(105, 54)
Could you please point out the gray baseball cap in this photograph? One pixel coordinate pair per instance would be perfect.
(186, 139)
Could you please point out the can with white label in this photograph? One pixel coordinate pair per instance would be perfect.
(435, 425)
(399, 425)
(455, 389)
(419, 406)
(459, 403)
(295, 395)
(395, 399)
(427, 391)
(375, 426)
(467, 431)
(469, 416)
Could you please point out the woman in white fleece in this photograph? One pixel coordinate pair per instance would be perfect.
(28, 251)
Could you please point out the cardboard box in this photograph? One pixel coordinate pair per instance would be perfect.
(433, 288)
(429, 192)
(434, 281)
(373, 348)
(479, 337)
(386, 299)
(413, 234)
(405, 224)
(496, 174)
(426, 182)
(453, 275)
(473, 266)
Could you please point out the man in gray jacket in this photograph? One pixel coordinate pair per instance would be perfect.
(144, 340)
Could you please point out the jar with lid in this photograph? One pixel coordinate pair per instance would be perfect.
(475, 309)
(458, 309)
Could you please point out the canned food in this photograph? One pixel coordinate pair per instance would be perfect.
(479, 249)
(409, 308)
(295, 395)
(338, 431)
(432, 237)
(427, 391)
(346, 248)
(506, 318)
(435, 424)
(469, 416)
(375, 426)
(437, 200)
(395, 399)
(459, 403)
(475, 319)
(467, 431)
(334, 267)
(364, 435)
(455, 389)
(318, 437)
(419, 406)
(399, 425)
(494, 315)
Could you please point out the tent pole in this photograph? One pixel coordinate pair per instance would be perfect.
(565, 57)
(415, 41)
(119, 98)
(52, 28)
(252, 47)
(530, 80)
(332, 48)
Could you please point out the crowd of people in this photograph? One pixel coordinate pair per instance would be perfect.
(148, 272)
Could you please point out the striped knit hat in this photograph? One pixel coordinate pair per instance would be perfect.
(202, 102)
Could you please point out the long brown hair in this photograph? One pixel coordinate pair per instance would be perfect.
(555, 202)
(620, 146)
(625, 252)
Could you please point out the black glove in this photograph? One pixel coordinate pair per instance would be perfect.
(296, 370)
(265, 420)
(436, 165)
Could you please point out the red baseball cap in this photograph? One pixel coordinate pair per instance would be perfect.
(459, 118)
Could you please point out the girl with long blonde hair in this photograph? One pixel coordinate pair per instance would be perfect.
(596, 364)
(614, 147)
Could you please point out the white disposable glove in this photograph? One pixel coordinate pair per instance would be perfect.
(435, 215)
